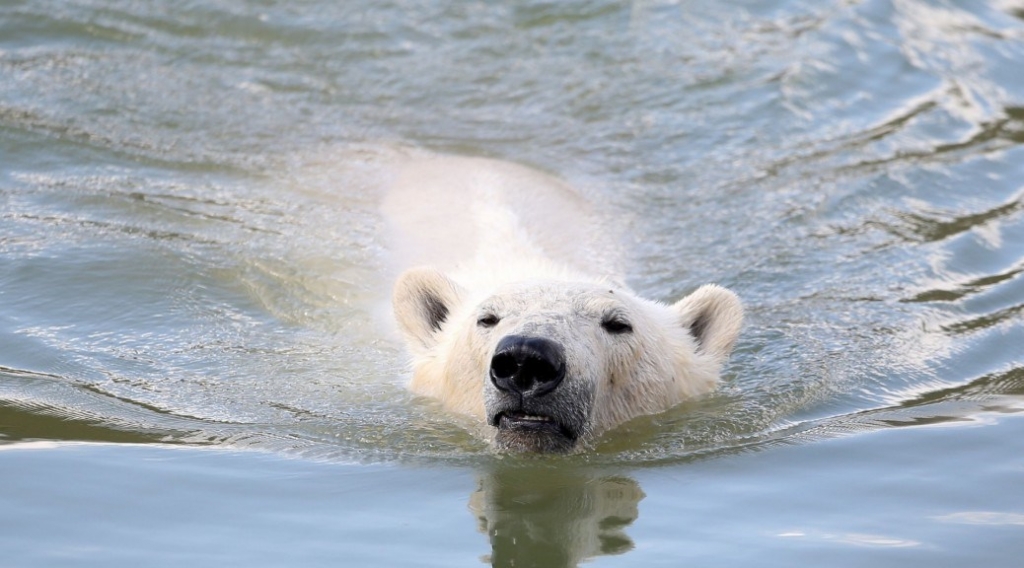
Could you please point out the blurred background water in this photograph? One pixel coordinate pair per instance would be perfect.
(192, 274)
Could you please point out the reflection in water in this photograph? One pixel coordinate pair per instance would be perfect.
(537, 515)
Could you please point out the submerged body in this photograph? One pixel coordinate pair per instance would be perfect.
(517, 315)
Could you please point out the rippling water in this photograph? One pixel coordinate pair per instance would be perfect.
(190, 251)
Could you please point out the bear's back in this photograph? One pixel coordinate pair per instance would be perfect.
(492, 221)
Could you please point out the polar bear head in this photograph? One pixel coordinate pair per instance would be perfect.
(549, 364)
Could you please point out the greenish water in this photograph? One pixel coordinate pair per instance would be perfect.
(192, 276)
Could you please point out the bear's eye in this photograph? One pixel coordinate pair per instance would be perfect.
(489, 320)
(616, 325)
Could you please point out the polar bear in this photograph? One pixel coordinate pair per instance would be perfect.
(515, 314)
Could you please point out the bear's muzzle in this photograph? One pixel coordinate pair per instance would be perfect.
(529, 412)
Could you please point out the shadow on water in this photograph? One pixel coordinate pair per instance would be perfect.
(37, 407)
(993, 394)
(932, 226)
(21, 425)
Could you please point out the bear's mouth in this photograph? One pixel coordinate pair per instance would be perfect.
(514, 419)
(526, 431)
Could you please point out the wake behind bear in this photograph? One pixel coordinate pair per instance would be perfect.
(515, 313)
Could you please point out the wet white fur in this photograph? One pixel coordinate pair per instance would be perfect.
(489, 235)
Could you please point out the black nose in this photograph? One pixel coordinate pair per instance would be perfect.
(530, 366)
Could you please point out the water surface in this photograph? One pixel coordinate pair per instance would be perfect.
(193, 274)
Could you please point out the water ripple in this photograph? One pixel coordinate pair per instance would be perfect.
(189, 250)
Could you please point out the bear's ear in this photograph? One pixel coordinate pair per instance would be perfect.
(713, 315)
(422, 299)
